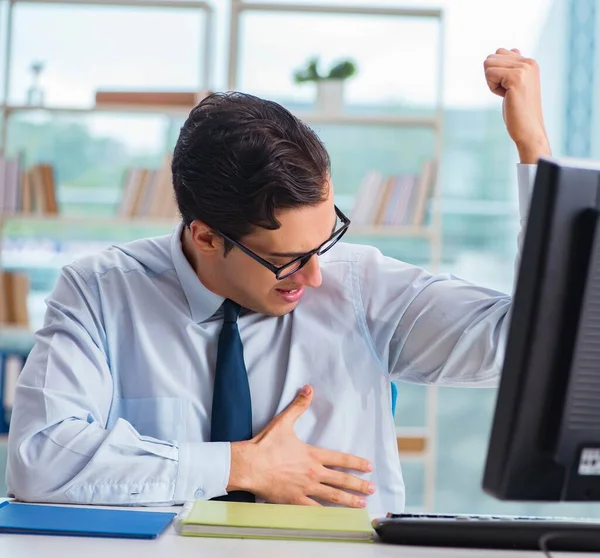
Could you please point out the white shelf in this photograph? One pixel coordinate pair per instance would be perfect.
(104, 108)
(308, 117)
(185, 4)
(16, 338)
(88, 220)
(333, 9)
(354, 230)
(370, 120)
(390, 231)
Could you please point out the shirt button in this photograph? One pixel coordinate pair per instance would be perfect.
(199, 493)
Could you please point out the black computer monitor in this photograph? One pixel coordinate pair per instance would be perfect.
(545, 438)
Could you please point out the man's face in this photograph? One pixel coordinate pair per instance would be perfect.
(252, 285)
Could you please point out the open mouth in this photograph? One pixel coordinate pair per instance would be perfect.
(291, 295)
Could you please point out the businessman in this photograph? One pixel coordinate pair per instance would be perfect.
(248, 355)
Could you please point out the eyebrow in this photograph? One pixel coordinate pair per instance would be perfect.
(298, 254)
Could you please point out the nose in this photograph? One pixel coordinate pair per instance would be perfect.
(310, 274)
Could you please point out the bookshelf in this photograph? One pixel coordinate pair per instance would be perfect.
(369, 119)
(412, 444)
(183, 110)
(16, 340)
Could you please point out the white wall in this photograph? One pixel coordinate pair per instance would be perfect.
(551, 54)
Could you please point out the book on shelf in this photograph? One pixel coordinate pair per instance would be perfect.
(14, 288)
(149, 193)
(395, 200)
(167, 99)
(11, 364)
(11, 174)
(30, 191)
(39, 190)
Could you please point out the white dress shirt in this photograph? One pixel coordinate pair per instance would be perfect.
(114, 403)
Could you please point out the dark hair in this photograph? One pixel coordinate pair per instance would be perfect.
(240, 158)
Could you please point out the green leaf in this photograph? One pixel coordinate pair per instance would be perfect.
(342, 70)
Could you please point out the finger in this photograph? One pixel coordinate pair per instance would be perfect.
(299, 404)
(517, 62)
(336, 496)
(516, 51)
(494, 78)
(347, 482)
(504, 51)
(330, 458)
(495, 61)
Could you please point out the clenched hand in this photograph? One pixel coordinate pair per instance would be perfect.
(516, 79)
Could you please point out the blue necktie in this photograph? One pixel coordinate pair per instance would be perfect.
(231, 419)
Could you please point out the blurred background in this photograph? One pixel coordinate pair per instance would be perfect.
(93, 93)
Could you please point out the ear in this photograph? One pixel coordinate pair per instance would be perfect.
(205, 240)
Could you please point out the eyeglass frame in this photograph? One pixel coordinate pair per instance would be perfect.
(304, 257)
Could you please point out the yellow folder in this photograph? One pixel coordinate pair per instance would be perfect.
(273, 521)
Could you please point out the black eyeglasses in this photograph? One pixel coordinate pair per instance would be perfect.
(298, 263)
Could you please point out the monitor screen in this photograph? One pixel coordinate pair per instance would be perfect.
(545, 438)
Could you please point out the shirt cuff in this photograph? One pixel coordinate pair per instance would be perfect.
(203, 471)
(525, 181)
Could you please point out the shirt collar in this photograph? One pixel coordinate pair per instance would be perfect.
(203, 303)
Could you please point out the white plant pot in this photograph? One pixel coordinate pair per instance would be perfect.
(330, 96)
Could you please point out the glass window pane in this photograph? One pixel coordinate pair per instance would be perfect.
(104, 47)
(396, 57)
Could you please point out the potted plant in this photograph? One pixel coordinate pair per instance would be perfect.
(330, 85)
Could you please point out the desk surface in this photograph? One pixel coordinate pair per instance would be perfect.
(171, 545)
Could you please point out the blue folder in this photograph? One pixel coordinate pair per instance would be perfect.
(33, 519)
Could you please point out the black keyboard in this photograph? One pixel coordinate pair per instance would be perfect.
(490, 531)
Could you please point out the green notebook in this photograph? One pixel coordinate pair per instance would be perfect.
(273, 521)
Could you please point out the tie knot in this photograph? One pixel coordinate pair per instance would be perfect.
(231, 311)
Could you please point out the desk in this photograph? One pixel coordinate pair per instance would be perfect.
(171, 545)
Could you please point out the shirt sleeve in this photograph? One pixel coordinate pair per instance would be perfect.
(60, 448)
(437, 329)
